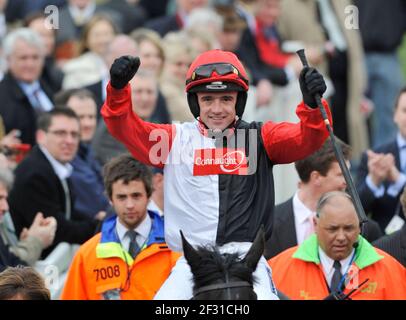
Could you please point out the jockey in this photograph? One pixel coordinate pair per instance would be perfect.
(218, 169)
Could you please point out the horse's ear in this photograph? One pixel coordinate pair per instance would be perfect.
(256, 251)
(191, 255)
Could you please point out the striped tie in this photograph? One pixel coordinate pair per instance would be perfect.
(134, 248)
(336, 279)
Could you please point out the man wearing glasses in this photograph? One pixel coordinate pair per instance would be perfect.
(218, 169)
(42, 180)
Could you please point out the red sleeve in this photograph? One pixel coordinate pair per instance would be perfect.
(288, 142)
(148, 142)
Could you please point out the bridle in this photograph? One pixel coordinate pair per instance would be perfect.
(226, 285)
(219, 286)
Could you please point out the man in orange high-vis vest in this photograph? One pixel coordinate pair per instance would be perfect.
(337, 260)
(129, 258)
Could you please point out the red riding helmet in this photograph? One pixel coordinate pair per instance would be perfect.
(216, 71)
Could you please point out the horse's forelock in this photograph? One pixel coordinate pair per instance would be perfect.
(215, 266)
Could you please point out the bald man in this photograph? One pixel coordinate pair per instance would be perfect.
(337, 259)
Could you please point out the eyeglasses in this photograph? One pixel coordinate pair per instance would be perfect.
(205, 71)
(63, 134)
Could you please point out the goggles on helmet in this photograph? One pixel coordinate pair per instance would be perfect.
(205, 71)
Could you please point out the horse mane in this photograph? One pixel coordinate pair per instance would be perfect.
(216, 266)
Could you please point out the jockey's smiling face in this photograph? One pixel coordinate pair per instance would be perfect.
(217, 109)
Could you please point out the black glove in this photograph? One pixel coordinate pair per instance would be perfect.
(311, 82)
(123, 70)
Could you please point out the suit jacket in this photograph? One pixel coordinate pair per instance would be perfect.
(381, 209)
(17, 111)
(165, 24)
(284, 231)
(87, 176)
(394, 244)
(154, 9)
(69, 31)
(249, 55)
(131, 16)
(37, 188)
(52, 75)
(97, 90)
(7, 258)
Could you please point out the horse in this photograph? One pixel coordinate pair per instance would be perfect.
(223, 276)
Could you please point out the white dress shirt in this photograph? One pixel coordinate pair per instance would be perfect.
(327, 264)
(303, 219)
(395, 188)
(29, 90)
(142, 230)
(63, 171)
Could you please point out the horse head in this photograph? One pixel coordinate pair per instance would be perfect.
(223, 276)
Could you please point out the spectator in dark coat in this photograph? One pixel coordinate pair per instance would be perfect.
(52, 75)
(395, 243)
(176, 22)
(76, 14)
(87, 181)
(381, 174)
(23, 94)
(132, 15)
(156, 8)
(43, 184)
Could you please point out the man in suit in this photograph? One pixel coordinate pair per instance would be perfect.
(42, 180)
(74, 16)
(86, 174)
(395, 243)
(23, 95)
(381, 176)
(260, 48)
(294, 219)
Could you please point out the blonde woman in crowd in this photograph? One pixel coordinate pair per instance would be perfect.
(150, 50)
(205, 21)
(178, 57)
(89, 67)
(202, 41)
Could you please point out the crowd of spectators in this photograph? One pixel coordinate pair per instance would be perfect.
(55, 58)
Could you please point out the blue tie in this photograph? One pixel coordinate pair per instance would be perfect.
(402, 155)
(38, 106)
